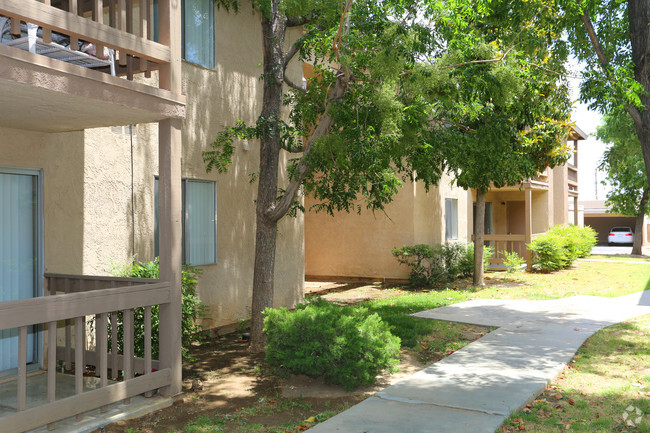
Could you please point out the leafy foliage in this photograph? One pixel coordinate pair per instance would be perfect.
(561, 246)
(192, 310)
(438, 263)
(512, 261)
(623, 163)
(346, 345)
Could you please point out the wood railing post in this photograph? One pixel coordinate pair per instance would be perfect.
(101, 347)
(114, 337)
(169, 201)
(528, 215)
(79, 349)
(22, 368)
(51, 366)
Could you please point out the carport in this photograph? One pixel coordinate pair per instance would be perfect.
(596, 216)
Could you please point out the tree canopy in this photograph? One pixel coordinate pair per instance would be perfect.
(402, 89)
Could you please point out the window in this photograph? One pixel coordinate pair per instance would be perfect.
(198, 32)
(489, 228)
(199, 221)
(451, 218)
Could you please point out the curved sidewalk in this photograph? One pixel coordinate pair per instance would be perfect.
(475, 389)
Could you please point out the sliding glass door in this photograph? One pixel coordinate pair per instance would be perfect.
(19, 254)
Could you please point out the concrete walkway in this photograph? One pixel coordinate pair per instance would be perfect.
(476, 388)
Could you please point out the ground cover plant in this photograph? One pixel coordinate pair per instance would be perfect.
(605, 388)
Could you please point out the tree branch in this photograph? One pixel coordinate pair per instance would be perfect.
(292, 149)
(604, 62)
(299, 20)
(278, 210)
(293, 85)
(295, 48)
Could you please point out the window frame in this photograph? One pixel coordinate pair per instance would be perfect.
(451, 218)
(213, 38)
(184, 221)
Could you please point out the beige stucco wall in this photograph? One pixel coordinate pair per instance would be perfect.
(360, 245)
(60, 157)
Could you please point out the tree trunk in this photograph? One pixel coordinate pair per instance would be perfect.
(637, 247)
(479, 236)
(273, 32)
(639, 16)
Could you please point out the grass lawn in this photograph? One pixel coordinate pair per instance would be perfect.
(585, 278)
(606, 388)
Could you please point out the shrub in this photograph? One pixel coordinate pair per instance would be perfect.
(580, 240)
(439, 263)
(561, 246)
(192, 309)
(512, 261)
(549, 252)
(346, 345)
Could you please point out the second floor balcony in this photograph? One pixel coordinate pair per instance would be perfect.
(75, 64)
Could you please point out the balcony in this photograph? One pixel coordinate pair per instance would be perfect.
(54, 86)
(100, 373)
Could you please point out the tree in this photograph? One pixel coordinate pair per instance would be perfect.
(519, 130)
(612, 38)
(364, 117)
(626, 173)
(506, 106)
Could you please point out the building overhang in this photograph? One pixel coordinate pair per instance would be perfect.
(43, 94)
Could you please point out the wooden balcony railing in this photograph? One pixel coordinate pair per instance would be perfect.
(82, 297)
(125, 26)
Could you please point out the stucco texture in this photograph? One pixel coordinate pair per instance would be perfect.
(60, 158)
(359, 245)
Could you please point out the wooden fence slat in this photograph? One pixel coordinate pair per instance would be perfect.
(101, 348)
(114, 333)
(51, 366)
(15, 26)
(147, 343)
(79, 367)
(68, 332)
(128, 346)
(22, 368)
(112, 12)
(129, 16)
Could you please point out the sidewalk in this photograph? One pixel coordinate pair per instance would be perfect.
(476, 388)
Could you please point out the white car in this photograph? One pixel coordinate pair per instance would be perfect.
(620, 235)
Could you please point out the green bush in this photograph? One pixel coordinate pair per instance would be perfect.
(561, 246)
(580, 240)
(439, 263)
(192, 309)
(346, 345)
(512, 261)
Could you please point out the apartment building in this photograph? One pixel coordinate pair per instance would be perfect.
(359, 246)
(107, 106)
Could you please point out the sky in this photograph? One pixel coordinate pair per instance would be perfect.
(590, 151)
